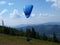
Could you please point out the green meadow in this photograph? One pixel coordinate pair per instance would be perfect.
(17, 40)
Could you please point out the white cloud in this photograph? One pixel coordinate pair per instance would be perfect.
(23, 14)
(5, 2)
(3, 11)
(43, 18)
(1, 17)
(15, 14)
(2, 2)
(55, 4)
(43, 14)
(10, 3)
(32, 15)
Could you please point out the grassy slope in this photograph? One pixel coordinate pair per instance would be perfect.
(14, 40)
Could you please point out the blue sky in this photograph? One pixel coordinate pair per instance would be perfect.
(11, 11)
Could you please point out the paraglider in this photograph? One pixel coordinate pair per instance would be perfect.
(28, 38)
(27, 10)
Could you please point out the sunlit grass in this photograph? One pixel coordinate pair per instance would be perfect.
(16, 40)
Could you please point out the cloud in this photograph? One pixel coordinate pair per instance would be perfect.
(5, 2)
(43, 14)
(15, 14)
(1, 17)
(2, 2)
(10, 3)
(32, 15)
(56, 3)
(23, 15)
(3, 11)
(38, 19)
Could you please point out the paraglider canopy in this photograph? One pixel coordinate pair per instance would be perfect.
(27, 10)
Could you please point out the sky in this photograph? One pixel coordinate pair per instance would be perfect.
(44, 11)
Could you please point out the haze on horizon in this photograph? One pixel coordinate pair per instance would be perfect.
(11, 11)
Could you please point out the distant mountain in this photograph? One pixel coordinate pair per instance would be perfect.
(49, 23)
(47, 28)
(52, 23)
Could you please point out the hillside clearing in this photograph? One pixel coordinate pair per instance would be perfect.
(15, 40)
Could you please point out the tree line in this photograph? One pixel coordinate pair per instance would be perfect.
(31, 33)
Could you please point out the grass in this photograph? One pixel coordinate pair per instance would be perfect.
(14, 40)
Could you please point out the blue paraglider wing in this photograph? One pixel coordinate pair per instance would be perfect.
(28, 10)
